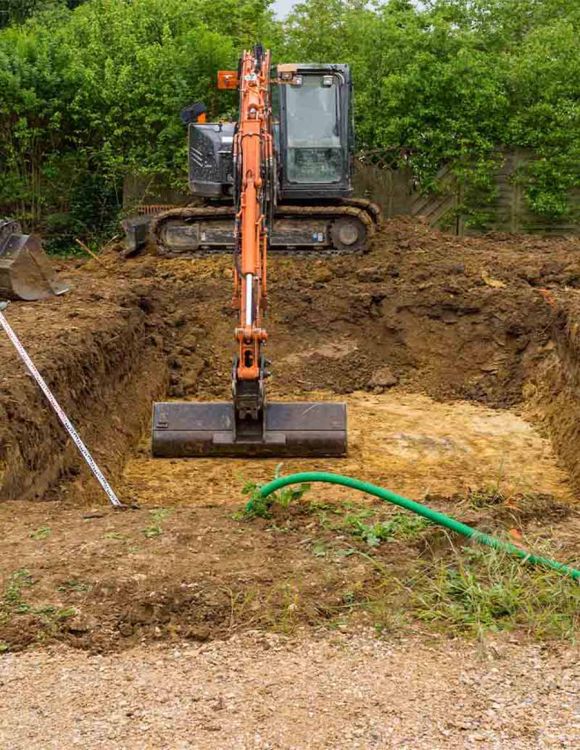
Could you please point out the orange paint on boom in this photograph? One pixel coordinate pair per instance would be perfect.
(252, 154)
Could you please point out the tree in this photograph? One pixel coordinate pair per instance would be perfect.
(91, 93)
(89, 99)
(450, 81)
(18, 11)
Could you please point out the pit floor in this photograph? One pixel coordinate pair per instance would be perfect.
(406, 442)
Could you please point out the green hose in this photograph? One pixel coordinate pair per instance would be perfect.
(421, 510)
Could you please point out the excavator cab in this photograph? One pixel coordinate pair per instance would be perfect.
(315, 133)
(313, 142)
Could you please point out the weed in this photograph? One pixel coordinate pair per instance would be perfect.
(157, 516)
(386, 616)
(13, 603)
(160, 514)
(152, 531)
(372, 534)
(65, 612)
(487, 590)
(342, 553)
(12, 599)
(52, 615)
(74, 585)
(43, 533)
(289, 607)
(400, 526)
(486, 497)
(357, 516)
(259, 506)
(116, 536)
(319, 549)
(278, 529)
(281, 609)
(349, 598)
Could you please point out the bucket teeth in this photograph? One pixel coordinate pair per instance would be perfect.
(301, 429)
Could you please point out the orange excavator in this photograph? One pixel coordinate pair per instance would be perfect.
(250, 425)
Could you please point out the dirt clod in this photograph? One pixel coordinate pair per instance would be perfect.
(382, 379)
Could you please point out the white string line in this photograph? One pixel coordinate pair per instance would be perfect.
(98, 474)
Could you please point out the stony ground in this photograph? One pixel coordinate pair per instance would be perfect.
(262, 692)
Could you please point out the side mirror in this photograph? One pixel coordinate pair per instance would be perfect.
(194, 113)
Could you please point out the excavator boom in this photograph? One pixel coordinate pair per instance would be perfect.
(249, 425)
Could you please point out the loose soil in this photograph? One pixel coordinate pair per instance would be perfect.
(459, 360)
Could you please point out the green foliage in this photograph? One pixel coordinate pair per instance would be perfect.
(42, 533)
(13, 604)
(261, 507)
(258, 506)
(157, 517)
(486, 497)
(12, 600)
(91, 92)
(74, 585)
(486, 590)
(453, 81)
(401, 526)
(94, 94)
(352, 518)
(18, 11)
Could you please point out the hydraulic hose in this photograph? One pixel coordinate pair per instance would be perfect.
(419, 509)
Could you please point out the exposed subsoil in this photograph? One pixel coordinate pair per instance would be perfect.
(98, 352)
(460, 361)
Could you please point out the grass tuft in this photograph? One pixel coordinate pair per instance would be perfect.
(485, 497)
(155, 528)
(483, 590)
(401, 526)
(43, 533)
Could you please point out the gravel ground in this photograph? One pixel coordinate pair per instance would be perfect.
(262, 692)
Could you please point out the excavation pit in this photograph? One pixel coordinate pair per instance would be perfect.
(458, 360)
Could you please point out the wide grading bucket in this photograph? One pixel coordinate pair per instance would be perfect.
(25, 270)
(299, 429)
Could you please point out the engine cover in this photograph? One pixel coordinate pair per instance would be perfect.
(211, 173)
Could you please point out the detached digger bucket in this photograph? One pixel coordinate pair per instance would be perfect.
(25, 270)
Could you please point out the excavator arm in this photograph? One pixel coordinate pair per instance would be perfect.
(253, 165)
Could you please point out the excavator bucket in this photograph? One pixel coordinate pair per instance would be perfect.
(25, 270)
(299, 429)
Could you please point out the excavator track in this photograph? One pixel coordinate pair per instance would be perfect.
(342, 228)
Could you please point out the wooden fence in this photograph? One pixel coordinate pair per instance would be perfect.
(384, 176)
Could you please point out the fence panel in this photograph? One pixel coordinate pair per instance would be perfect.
(384, 175)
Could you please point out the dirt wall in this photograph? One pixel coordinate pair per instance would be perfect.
(554, 390)
(96, 351)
